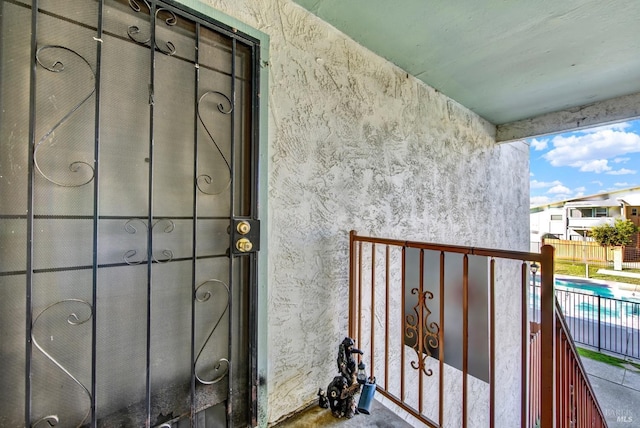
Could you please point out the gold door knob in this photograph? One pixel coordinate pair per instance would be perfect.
(244, 245)
(243, 227)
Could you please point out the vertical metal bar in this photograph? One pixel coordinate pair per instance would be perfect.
(232, 135)
(232, 261)
(492, 342)
(255, 135)
(352, 283)
(373, 307)
(96, 213)
(465, 336)
(30, 208)
(359, 294)
(524, 337)
(253, 284)
(547, 330)
(386, 321)
(152, 31)
(194, 231)
(441, 344)
(599, 324)
(402, 337)
(422, 304)
(560, 387)
(560, 374)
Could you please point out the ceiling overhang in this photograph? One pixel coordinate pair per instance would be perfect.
(530, 68)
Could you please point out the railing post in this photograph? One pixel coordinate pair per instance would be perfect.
(547, 339)
(598, 323)
(352, 283)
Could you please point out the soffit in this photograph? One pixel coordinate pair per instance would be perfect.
(505, 60)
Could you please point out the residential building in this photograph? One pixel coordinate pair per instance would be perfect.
(571, 219)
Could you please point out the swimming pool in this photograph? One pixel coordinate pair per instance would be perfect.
(581, 298)
(586, 286)
(603, 315)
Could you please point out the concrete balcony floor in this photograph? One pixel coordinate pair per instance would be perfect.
(315, 416)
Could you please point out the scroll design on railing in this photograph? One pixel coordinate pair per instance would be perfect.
(58, 66)
(204, 180)
(75, 318)
(129, 227)
(419, 323)
(134, 31)
(202, 294)
(52, 420)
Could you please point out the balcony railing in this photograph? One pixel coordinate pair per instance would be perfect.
(604, 323)
(425, 316)
(588, 222)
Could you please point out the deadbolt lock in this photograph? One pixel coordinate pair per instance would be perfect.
(244, 245)
(243, 227)
(245, 236)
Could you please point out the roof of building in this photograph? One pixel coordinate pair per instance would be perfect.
(633, 199)
(610, 202)
(630, 195)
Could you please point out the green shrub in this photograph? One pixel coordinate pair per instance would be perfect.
(616, 235)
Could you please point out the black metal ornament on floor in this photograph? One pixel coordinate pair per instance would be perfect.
(341, 392)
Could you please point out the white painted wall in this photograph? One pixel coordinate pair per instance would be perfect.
(355, 143)
(541, 223)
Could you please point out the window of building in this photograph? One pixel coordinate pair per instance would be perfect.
(634, 211)
(601, 212)
(556, 216)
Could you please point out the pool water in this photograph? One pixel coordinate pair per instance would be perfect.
(595, 288)
(590, 307)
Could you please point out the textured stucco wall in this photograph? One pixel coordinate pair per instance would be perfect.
(355, 143)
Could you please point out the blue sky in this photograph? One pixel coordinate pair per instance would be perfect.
(574, 164)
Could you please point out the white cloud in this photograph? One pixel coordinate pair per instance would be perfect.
(597, 166)
(539, 200)
(535, 184)
(531, 174)
(560, 189)
(621, 184)
(539, 144)
(621, 160)
(580, 189)
(590, 151)
(599, 183)
(622, 171)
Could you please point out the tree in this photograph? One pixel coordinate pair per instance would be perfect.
(616, 235)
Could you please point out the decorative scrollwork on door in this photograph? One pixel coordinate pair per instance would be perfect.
(203, 293)
(83, 171)
(203, 181)
(135, 32)
(50, 421)
(79, 316)
(419, 323)
(129, 257)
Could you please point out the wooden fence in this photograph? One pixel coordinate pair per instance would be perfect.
(580, 251)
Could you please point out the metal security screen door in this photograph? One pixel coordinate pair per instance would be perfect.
(128, 220)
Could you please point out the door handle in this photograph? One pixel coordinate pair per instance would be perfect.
(244, 245)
